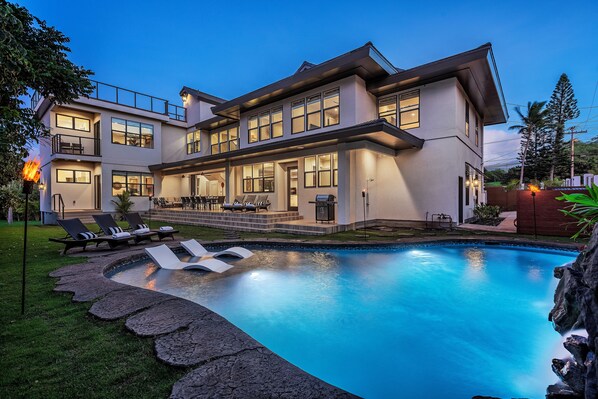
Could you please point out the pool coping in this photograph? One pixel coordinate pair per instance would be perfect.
(224, 360)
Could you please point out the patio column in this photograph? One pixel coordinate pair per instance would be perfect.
(227, 177)
(344, 185)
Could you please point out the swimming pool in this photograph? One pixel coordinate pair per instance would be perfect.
(448, 321)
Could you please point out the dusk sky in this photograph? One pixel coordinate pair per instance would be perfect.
(229, 48)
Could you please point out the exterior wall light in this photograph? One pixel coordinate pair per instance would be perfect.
(184, 97)
(41, 186)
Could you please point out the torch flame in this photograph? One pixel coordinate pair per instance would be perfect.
(31, 170)
(534, 189)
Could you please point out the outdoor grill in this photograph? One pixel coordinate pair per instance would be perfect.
(324, 207)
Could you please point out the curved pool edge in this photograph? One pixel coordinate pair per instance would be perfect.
(186, 334)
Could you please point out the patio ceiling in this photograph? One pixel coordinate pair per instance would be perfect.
(378, 132)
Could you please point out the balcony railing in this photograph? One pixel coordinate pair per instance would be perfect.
(75, 145)
(118, 95)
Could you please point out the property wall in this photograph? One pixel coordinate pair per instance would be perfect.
(549, 220)
(74, 195)
(174, 144)
(507, 200)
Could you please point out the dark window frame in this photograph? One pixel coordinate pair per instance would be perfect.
(126, 133)
(303, 102)
(73, 122)
(317, 171)
(141, 184)
(227, 142)
(257, 130)
(399, 111)
(467, 118)
(263, 178)
(383, 115)
(88, 172)
(296, 105)
(324, 109)
(477, 130)
(319, 111)
(193, 146)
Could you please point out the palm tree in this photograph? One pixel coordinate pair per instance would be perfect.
(532, 125)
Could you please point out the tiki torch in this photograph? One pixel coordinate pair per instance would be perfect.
(534, 190)
(31, 175)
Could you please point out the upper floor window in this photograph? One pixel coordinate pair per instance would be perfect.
(408, 110)
(258, 178)
(477, 131)
(132, 133)
(224, 140)
(73, 176)
(306, 114)
(136, 183)
(265, 125)
(193, 142)
(320, 171)
(466, 118)
(73, 123)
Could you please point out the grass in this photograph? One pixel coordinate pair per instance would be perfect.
(58, 350)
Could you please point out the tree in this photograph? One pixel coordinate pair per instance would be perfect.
(562, 107)
(532, 131)
(33, 58)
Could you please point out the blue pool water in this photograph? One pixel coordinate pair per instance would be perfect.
(424, 322)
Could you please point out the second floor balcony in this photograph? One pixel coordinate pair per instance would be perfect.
(75, 145)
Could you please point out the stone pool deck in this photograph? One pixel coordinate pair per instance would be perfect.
(224, 361)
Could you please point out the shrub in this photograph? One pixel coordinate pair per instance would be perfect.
(583, 208)
(123, 204)
(485, 212)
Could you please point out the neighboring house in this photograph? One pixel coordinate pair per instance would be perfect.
(412, 138)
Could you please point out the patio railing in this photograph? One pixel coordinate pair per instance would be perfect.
(118, 95)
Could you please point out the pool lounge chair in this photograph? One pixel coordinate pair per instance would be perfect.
(136, 222)
(80, 236)
(109, 227)
(164, 258)
(196, 249)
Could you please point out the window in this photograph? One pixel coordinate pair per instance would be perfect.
(409, 110)
(193, 142)
(320, 171)
(298, 116)
(72, 122)
(136, 183)
(387, 109)
(73, 176)
(331, 107)
(224, 140)
(466, 118)
(132, 133)
(314, 112)
(258, 178)
(467, 185)
(408, 116)
(265, 126)
(477, 131)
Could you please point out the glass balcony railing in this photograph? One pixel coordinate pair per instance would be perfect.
(75, 145)
(118, 95)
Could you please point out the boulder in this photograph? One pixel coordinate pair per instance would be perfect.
(561, 391)
(578, 347)
(570, 373)
(566, 312)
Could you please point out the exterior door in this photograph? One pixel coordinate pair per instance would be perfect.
(461, 199)
(292, 188)
(97, 184)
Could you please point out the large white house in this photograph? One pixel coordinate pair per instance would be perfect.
(412, 138)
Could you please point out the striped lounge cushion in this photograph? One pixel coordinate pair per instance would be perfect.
(114, 230)
(142, 226)
(86, 235)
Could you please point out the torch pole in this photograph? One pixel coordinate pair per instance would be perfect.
(26, 188)
(534, 210)
(365, 227)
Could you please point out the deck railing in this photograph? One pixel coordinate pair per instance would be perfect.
(75, 145)
(118, 95)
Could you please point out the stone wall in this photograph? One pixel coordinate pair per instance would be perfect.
(576, 307)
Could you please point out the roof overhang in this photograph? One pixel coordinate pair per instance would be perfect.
(202, 96)
(378, 132)
(475, 70)
(214, 123)
(365, 61)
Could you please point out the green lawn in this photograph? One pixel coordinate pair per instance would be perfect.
(57, 350)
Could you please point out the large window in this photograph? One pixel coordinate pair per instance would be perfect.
(258, 178)
(331, 107)
(136, 183)
(72, 122)
(320, 171)
(265, 125)
(193, 142)
(132, 133)
(224, 140)
(298, 116)
(408, 110)
(314, 112)
(477, 131)
(73, 176)
(466, 118)
(306, 114)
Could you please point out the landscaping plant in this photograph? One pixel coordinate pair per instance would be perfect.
(583, 208)
(123, 204)
(486, 213)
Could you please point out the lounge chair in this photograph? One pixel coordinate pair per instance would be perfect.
(164, 258)
(196, 249)
(108, 226)
(260, 203)
(80, 236)
(136, 222)
(239, 200)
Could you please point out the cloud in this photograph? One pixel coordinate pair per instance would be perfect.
(500, 148)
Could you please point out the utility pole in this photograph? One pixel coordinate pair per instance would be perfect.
(573, 132)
